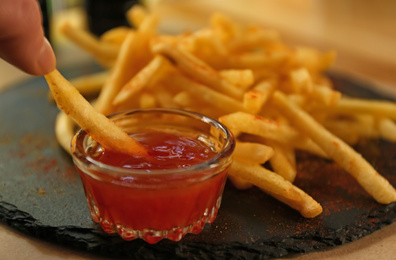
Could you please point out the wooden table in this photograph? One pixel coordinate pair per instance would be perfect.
(364, 35)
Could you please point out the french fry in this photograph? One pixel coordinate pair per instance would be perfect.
(283, 162)
(253, 152)
(119, 75)
(219, 100)
(353, 128)
(240, 183)
(254, 37)
(260, 126)
(184, 99)
(224, 27)
(133, 56)
(115, 35)
(311, 59)
(64, 130)
(147, 100)
(197, 69)
(255, 60)
(301, 81)
(88, 85)
(89, 42)
(136, 15)
(353, 106)
(255, 99)
(387, 129)
(102, 129)
(240, 75)
(242, 79)
(344, 129)
(164, 98)
(303, 144)
(277, 186)
(269, 130)
(141, 80)
(204, 44)
(106, 63)
(325, 95)
(375, 184)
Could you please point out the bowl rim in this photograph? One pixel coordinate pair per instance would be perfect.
(80, 158)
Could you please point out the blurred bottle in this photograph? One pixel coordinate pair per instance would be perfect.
(45, 11)
(103, 15)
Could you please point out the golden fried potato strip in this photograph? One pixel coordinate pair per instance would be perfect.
(375, 184)
(277, 186)
(102, 129)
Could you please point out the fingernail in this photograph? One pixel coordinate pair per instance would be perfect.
(46, 61)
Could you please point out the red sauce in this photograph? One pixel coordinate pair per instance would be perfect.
(152, 200)
(166, 150)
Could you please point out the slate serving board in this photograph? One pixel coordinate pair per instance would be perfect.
(42, 196)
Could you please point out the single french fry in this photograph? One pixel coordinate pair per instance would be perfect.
(353, 128)
(136, 15)
(325, 95)
(312, 59)
(197, 69)
(133, 56)
(253, 152)
(242, 79)
(164, 97)
(89, 42)
(255, 99)
(344, 129)
(300, 81)
(303, 144)
(199, 91)
(379, 108)
(102, 129)
(256, 60)
(277, 186)
(240, 183)
(88, 85)
(253, 38)
(119, 75)
(106, 63)
(64, 130)
(283, 162)
(375, 184)
(226, 28)
(184, 99)
(261, 126)
(205, 45)
(115, 35)
(147, 100)
(387, 129)
(146, 76)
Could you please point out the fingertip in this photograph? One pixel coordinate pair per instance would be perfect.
(46, 61)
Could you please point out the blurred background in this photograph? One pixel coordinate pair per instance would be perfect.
(361, 31)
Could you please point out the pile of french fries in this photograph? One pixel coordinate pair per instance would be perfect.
(275, 98)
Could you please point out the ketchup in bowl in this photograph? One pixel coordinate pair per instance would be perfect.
(173, 191)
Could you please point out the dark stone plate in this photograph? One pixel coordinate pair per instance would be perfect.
(41, 194)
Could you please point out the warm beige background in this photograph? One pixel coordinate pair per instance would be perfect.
(362, 31)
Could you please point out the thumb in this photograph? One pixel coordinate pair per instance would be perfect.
(22, 41)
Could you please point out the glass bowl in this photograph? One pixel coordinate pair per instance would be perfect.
(156, 203)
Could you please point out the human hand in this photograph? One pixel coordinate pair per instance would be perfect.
(22, 41)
